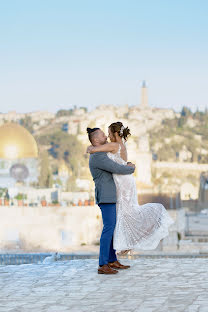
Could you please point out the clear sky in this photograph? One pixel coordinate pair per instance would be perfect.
(57, 54)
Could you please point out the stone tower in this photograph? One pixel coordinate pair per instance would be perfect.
(144, 97)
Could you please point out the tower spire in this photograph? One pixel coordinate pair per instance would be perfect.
(144, 84)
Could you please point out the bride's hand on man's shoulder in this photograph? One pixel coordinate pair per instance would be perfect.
(89, 149)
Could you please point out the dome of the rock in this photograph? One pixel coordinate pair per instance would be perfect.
(16, 142)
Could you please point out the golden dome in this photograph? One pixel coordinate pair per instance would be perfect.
(16, 142)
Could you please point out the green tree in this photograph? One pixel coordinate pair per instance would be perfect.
(27, 123)
(185, 112)
(67, 147)
(64, 112)
(84, 108)
(45, 178)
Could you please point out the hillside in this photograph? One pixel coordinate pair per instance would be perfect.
(173, 137)
(183, 138)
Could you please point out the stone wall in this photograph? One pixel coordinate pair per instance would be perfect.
(48, 228)
(60, 228)
(177, 230)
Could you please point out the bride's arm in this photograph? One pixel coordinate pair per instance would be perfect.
(108, 147)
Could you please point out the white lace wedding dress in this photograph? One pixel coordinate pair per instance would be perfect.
(137, 227)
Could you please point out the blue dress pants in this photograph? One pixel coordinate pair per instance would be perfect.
(107, 253)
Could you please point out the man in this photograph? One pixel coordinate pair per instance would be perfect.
(102, 167)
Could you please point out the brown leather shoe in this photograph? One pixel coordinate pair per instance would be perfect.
(105, 269)
(118, 265)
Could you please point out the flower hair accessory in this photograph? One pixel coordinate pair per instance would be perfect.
(121, 130)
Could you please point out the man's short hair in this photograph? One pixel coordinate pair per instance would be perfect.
(91, 133)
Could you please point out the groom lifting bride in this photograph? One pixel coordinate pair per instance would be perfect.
(126, 224)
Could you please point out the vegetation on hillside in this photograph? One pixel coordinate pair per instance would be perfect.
(27, 123)
(61, 146)
(45, 177)
(189, 131)
(69, 112)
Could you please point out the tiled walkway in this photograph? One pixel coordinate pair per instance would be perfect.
(160, 285)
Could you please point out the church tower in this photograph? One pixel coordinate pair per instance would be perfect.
(144, 97)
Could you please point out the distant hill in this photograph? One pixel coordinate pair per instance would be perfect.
(183, 138)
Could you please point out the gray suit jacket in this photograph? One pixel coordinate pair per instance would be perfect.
(101, 168)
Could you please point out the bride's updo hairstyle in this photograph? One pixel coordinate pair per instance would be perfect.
(120, 129)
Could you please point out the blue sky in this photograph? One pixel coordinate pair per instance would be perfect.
(57, 54)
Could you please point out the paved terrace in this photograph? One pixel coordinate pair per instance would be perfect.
(162, 285)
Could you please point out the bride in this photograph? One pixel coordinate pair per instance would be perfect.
(137, 226)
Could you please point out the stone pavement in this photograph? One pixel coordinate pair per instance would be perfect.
(150, 285)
